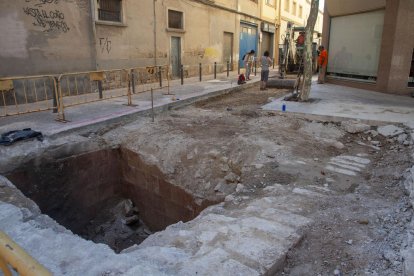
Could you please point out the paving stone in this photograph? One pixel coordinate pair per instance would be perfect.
(390, 131)
(251, 240)
(354, 127)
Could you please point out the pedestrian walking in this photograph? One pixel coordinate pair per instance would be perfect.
(266, 62)
(248, 62)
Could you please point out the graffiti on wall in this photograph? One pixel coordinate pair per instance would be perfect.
(40, 3)
(105, 44)
(47, 20)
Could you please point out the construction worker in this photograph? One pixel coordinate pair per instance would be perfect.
(300, 40)
(322, 62)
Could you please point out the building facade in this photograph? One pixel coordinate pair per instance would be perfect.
(57, 36)
(371, 44)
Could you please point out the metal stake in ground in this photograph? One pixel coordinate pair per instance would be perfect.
(168, 80)
(182, 74)
(160, 75)
(152, 105)
(228, 68)
(133, 81)
(255, 68)
(215, 70)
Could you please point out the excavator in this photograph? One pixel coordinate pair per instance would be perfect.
(291, 58)
(292, 50)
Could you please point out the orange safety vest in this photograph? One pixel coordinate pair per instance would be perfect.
(323, 58)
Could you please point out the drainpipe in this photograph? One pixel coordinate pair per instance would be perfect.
(278, 31)
(93, 46)
(155, 34)
(237, 25)
(260, 29)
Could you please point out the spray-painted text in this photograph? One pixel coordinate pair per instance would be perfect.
(106, 44)
(48, 20)
(40, 3)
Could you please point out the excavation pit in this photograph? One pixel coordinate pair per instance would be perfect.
(109, 196)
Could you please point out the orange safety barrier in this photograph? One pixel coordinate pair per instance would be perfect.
(13, 259)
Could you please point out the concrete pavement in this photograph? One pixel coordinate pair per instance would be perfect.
(328, 101)
(331, 101)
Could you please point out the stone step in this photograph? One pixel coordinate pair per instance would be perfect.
(347, 165)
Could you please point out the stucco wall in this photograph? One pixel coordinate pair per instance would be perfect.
(132, 44)
(269, 12)
(45, 37)
(56, 36)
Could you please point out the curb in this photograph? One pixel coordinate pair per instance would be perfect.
(127, 118)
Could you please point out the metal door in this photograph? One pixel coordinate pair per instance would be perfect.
(248, 40)
(267, 43)
(228, 49)
(175, 56)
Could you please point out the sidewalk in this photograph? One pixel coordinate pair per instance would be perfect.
(329, 101)
(115, 110)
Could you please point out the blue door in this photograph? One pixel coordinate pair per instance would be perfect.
(248, 40)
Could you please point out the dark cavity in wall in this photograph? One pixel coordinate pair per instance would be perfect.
(107, 196)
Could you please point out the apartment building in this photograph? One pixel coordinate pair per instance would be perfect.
(371, 44)
(55, 36)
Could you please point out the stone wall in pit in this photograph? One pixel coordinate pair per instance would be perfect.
(71, 190)
(160, 202)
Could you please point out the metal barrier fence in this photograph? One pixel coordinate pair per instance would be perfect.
(211, 71)
(13, 259)
(205, 71)
(87, 87)
(21, 95)
(144, 79)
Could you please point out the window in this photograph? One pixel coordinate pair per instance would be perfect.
(411, 78)
(300, 11)
(287, 5)
(294, 8)
(249, 30)
(270, 2)
(175, 19)
(109, 10)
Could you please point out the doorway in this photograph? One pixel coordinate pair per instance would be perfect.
(267, 43)
(248, 40)
(175, 55)
(228, 49)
